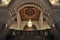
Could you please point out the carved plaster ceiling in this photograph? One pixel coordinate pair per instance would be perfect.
(29, 13)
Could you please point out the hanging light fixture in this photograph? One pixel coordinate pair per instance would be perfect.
(5, 2)
(30, 23)
(54, 2)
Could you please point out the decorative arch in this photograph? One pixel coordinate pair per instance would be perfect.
(44, 5)
(36, 9)
(33, 5)
(15, 4)
(19, 4)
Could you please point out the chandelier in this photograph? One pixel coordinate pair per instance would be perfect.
(54, 2)
(30, 23)
(5, 2)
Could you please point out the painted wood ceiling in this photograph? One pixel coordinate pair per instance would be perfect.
(30, 13)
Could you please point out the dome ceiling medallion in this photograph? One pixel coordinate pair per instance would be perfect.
(30, 13)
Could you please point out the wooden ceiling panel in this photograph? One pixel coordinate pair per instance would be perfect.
(29, 13)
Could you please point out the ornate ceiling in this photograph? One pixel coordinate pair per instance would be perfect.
(30, 13)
